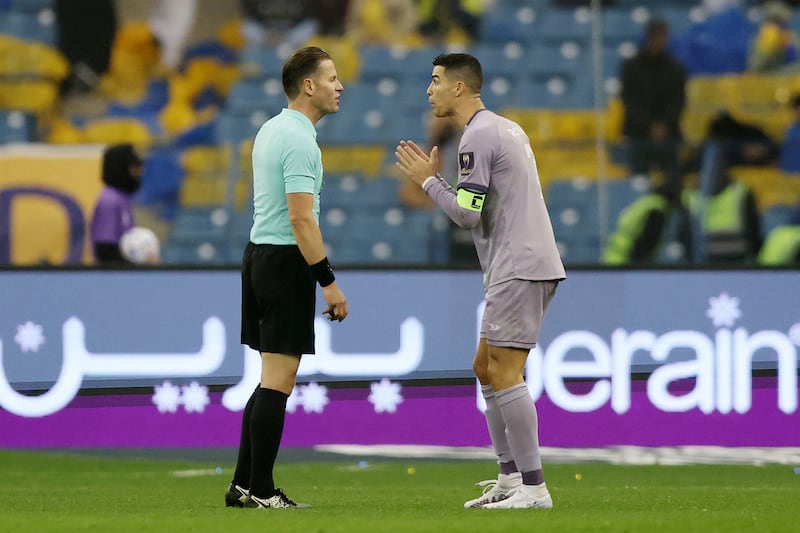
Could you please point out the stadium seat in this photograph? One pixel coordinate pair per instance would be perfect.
(28, 6)
(775, 216)
(510, 24)
(235, 129)
(198, 224)
(17, 127)
(261, 62)
(620, 25)
(256, 94)
(40, 26)
(558, 26)
(349, 190)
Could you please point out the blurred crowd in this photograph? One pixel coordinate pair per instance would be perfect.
(110, 69)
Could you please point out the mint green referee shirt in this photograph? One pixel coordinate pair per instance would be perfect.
(286, 159)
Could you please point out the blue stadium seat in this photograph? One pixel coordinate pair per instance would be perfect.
(232, 128)
(379, 62)
(582, 250)
(620, 26)
(199, 224)
(775, 216)
(506, 59)
(354, 190)
(505, 24)
(261, 62)
(28, 6)
(29, 26)
(559, 59)
(17, 127)
(251, 94)
(554, 93)
(564, 25)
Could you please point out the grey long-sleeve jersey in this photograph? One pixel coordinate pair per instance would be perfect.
(499, 197)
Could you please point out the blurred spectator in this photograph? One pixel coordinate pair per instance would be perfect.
(86, 31)
(726, 220)
(450, 20)
(383, 22)
(171, 21)
(653, 98)
(775, 45)
(332, 16)
(274, 22)
(113, 212)
(782, 246)
(790, 148)
(745, 144)
(641, 227)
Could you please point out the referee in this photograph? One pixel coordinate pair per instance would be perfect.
(282, 264)
(498, 197)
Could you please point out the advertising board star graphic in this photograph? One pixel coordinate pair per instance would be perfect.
(723, 310)
(167, 397)
(195, 397)
(385, 396)
(29, 337)
(292, 401)
(313, 397)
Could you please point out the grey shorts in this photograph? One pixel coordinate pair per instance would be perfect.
(514, 312)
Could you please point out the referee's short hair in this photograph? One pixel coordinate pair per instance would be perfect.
(299, 66)
(463, 67)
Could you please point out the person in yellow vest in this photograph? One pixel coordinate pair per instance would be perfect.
(727, 222)
(641, 227)
(782, 246)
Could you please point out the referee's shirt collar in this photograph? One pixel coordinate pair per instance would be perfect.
(302, 118)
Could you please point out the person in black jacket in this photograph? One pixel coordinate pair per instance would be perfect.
(653, 97)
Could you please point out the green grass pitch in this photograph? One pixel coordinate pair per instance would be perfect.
(51, 492)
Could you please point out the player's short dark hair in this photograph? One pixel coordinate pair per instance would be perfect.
(299, 66)
(463, 67)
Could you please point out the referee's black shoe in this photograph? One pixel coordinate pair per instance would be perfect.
(236, 496)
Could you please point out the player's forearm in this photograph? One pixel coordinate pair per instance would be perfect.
(445, 197)
(309, 239)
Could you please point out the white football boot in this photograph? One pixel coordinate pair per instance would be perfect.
(496, 490)
(525, 497)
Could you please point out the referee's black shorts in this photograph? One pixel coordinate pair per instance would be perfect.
(278, 300)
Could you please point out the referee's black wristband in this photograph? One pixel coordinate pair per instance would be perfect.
(323, 272)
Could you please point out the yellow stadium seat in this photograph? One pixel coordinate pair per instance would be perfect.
(199, 190)
(342, 159)
(694, 124)
(117, 130)
(556, 160)
(20, 58)
(771, 186)
(31, 96)
(711, 92)
(206, 159)
(763, 92)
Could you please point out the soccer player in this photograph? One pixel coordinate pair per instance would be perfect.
(282, 263)
(499, 197)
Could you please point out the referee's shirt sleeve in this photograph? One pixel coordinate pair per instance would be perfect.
(464, 204)
(299, 161)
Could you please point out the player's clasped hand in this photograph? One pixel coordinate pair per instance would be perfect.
(415, 163)
(337, 304)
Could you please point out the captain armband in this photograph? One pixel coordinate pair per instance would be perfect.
(472, 200)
